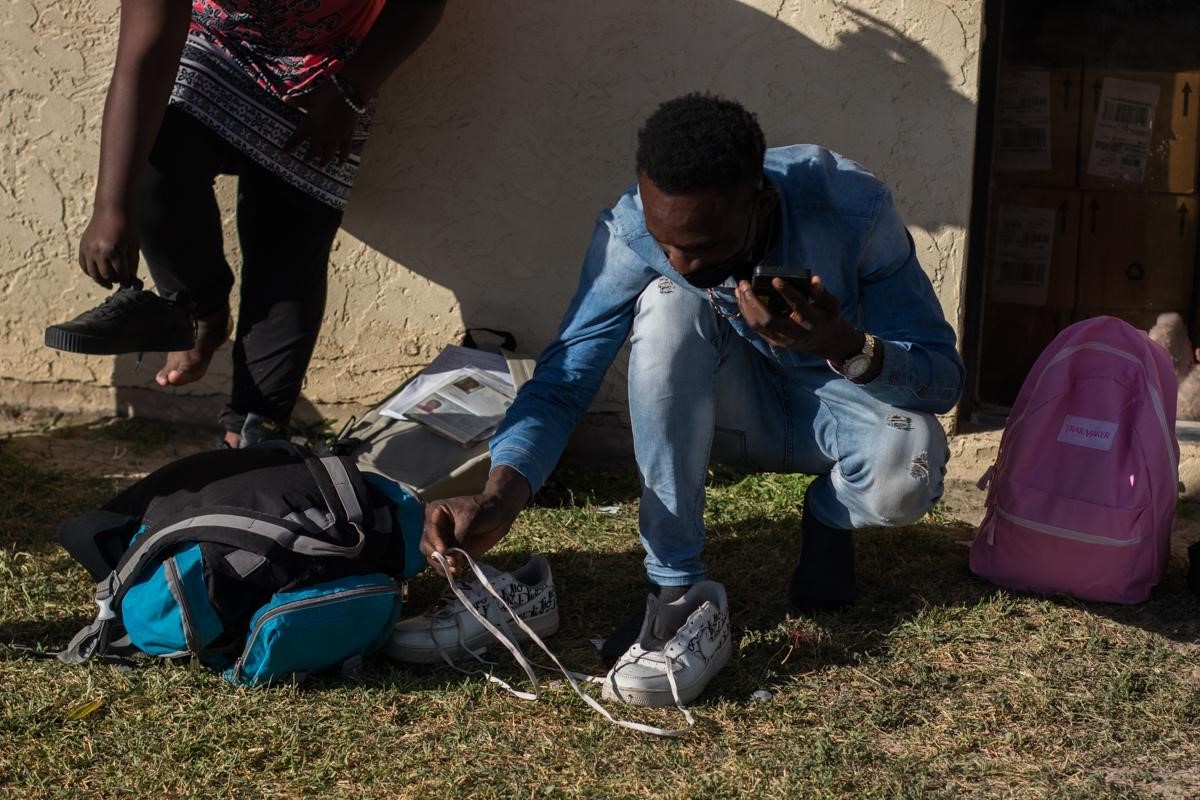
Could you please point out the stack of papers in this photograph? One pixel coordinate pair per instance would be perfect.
(463, 395)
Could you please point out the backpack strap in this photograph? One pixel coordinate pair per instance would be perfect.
(337, 488)
(344, 492)
(228, 526)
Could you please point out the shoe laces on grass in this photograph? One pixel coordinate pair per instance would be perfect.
(572, 678)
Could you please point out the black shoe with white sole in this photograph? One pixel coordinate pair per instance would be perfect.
(130, 320)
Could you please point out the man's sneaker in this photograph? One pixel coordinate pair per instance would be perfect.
(448, 631)
(683, 644)
(130, 320)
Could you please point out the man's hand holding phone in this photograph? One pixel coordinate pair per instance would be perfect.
(798, 313)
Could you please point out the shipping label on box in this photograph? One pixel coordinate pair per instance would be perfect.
(1024, 250)
(1124, 130)
(1139, 131)
(1033, 241)
(1023, 121)
(1036, 139)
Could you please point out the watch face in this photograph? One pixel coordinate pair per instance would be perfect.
(856, 366)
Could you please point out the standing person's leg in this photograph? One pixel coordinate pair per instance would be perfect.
(286, 236)
(180, 228)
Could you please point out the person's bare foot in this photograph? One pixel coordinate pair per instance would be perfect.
(187, 366)
(232, 440)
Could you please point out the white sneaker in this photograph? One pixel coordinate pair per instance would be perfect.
(448, 631)
(682, 645)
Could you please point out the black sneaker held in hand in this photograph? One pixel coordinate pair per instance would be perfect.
(130, 320)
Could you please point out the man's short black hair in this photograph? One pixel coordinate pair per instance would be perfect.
(700, 141)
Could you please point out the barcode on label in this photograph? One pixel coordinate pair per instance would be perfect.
(1022, 138)
(1022, 273)
(1014, 234)
(1124, 113)
(1028, 103)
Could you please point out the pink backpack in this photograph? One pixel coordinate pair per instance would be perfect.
(1082, 494)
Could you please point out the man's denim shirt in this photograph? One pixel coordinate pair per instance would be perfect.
(837, 220)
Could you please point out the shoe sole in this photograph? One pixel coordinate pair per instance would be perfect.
(543, 625)
(74, 342)
(662, 698)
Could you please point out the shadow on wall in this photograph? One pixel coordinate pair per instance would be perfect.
(496, 145)
(489, 162)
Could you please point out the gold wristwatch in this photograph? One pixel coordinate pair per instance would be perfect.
(858, 364)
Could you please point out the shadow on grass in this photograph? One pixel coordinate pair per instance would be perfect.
(902, 574)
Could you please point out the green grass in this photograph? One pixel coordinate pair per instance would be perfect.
(936, 685)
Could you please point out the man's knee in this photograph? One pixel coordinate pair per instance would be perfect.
(901, 475)
(670, 327)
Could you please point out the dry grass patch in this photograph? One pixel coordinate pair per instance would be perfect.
(936, 685)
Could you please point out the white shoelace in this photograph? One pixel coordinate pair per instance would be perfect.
(573, 678)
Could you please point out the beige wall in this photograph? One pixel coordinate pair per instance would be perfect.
(495, 147)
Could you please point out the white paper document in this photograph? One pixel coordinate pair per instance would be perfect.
(465, 408)
(451, 360)
(1124, 128)
(1024, 251)
(1023, 121)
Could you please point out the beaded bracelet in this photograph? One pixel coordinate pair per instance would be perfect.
(348, 94)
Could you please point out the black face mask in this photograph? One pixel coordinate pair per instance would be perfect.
(714, 275)
(738, 264)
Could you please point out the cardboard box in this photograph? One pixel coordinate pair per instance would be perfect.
(1139, 131)
(1013, 338)
(1037, 127)
(1033, 246)
(1136, 251)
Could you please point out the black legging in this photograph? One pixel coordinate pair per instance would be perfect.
(285, 238)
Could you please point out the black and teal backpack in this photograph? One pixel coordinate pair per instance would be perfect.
(265, 563)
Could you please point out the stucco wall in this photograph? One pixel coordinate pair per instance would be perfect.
(494, 148)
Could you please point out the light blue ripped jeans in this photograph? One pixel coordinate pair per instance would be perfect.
(698, 392)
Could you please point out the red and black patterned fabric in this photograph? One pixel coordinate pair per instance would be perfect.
(285, 46)
(243, 58)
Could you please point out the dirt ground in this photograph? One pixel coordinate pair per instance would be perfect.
(82, 444)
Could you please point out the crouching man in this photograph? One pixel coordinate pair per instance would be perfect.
(841, 381)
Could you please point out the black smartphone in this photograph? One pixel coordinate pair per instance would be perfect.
(797, 277)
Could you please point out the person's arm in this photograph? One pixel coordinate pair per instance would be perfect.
(539, 422)
(328, 126)
(474, 522)
(399, 30)
(914, 364)
(148, 48)
(920, 367)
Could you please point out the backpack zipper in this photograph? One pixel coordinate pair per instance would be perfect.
(295, 605)
(1061, 533)
(175, 584)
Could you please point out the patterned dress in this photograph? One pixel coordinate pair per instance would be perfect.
(241, 60)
